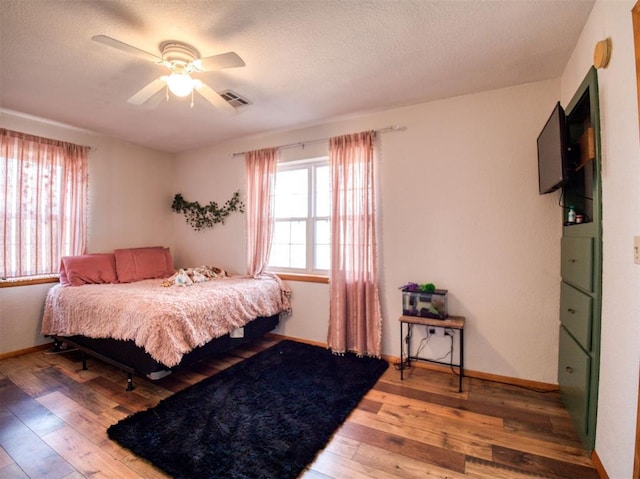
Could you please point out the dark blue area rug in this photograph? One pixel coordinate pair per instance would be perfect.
(265, 417)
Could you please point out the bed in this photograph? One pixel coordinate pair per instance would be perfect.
(108, 307)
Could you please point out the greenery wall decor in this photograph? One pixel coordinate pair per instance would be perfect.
(199, 217)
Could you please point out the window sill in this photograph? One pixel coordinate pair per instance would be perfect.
(305, 278)
(10, 283)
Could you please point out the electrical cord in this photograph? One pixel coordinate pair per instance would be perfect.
(402, 364)
(424, 341)
(450, 353)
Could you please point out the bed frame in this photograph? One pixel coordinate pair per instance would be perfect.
(133, 359)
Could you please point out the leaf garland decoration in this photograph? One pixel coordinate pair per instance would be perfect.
(200, 217)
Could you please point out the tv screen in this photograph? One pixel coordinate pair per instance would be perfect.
(553, 163)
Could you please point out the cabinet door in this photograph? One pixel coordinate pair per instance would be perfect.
(575, 314)
(577, 262)
(574, 369)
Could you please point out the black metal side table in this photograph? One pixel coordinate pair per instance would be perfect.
(452, 322)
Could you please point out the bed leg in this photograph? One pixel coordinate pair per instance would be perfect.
(84, 361)
(130, 386)
(56, 345)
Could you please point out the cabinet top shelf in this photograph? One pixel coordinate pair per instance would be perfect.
(454, 322)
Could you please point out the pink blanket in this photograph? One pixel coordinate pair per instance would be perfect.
(166, 322)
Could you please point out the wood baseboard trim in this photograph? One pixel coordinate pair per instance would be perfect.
(525, 383)
(20, 352)
(602, 473)
(299, 340)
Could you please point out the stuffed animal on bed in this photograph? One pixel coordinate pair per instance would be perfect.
(189, 276)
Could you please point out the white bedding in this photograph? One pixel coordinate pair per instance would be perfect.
(166, 322)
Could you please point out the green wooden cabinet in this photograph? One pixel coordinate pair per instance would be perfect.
(581, 267)
(576, 310)
(574, 376)
(577, 261)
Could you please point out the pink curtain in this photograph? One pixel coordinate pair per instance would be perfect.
(355, 323)
(43, 203)
(261, 177)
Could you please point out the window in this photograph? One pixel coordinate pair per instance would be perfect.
(43, 194)
(301, 234)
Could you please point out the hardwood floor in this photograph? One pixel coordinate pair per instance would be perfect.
(53, 421)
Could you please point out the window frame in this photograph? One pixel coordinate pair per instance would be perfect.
(309, 273)
(58, 172)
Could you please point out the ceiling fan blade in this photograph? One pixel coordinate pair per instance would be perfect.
(155, 100)
(147, 92)
(125, 47)
(218, 62)
(214, 98)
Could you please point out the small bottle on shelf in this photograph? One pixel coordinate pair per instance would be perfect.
(571, 216)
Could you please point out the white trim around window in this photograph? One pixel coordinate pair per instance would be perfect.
(301, 237)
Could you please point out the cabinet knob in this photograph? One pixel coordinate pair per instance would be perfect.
(571, 311)
(569, 370)
(572, 260)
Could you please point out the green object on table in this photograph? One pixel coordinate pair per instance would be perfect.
(428, 287)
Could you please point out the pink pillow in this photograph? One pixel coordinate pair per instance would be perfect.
(63, 274)
(88, 269)
(136, 264)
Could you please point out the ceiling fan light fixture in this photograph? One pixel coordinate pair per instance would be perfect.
(180, 84)
(181, 59)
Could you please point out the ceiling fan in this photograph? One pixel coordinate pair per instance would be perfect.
(182, 60)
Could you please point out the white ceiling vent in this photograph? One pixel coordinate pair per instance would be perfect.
(234, 99)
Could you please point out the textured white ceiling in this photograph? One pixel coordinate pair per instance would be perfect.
(306, 60)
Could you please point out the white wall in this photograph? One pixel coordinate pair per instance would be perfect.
(620, 354)
(130, 193)
(459, 208)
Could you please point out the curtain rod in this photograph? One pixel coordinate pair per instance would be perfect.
(301, 144)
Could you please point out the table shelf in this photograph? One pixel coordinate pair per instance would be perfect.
(452, 322)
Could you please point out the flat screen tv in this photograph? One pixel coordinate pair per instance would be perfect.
(553, 152)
